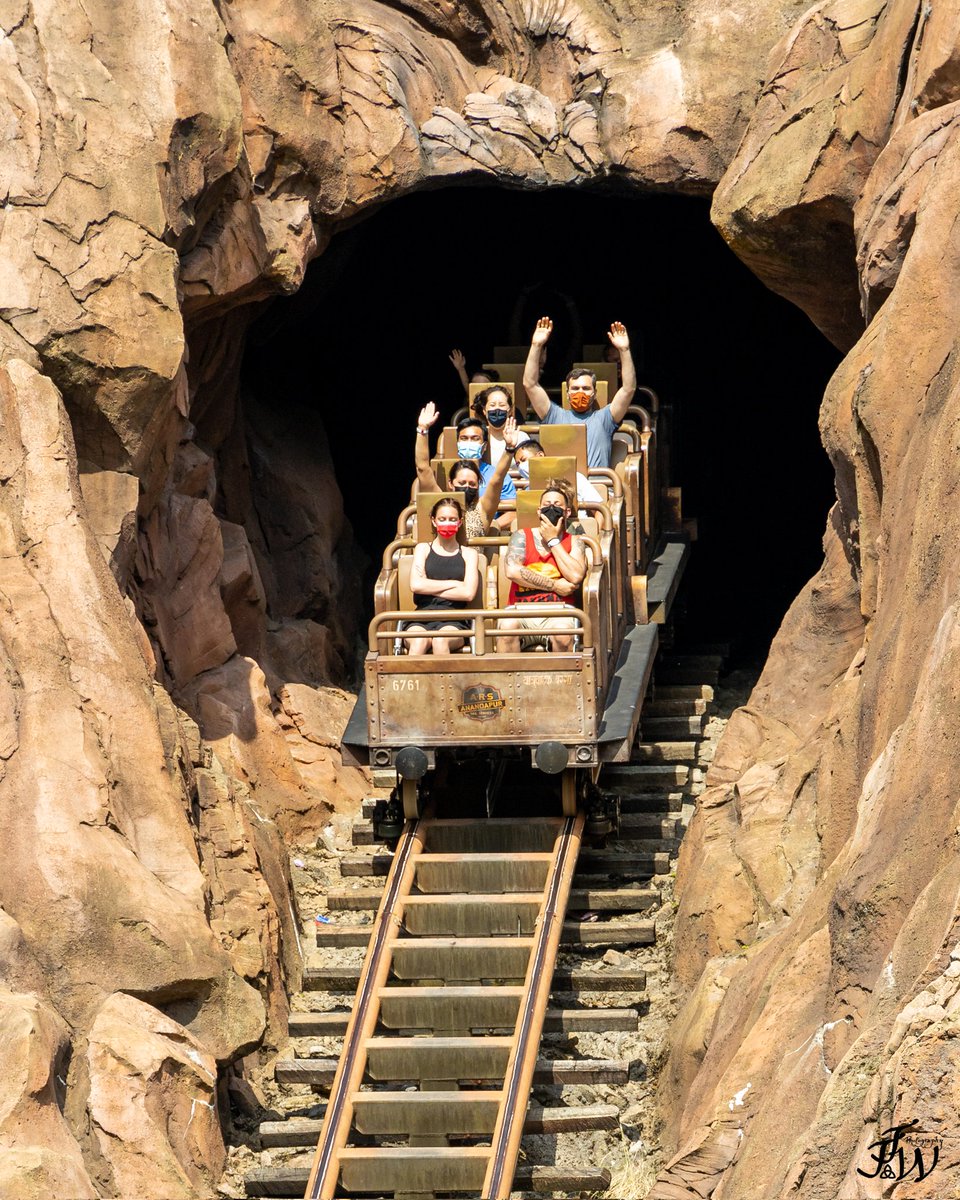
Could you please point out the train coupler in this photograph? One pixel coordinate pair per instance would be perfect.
(602, 814)
(388, 818)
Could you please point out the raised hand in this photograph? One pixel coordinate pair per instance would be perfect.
(618, 336)
(510, 433)
(458, 359)
(428, 415)
(542, 331)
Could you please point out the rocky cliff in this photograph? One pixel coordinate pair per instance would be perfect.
(176, 572)
(818, 920)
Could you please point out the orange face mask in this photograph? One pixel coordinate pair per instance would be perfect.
(580, 401)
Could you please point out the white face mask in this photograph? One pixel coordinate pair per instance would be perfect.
(524, 469)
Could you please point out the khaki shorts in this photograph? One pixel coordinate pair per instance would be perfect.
(543, 625)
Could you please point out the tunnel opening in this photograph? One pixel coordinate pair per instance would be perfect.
(365, 343)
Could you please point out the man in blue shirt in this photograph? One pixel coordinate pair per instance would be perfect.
(601, 423)
(471, 441)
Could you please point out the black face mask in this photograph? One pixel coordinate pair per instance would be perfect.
(469, 494)
(553, 513)
(497, 417)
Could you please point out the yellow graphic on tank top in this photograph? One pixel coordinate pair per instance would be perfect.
(548, 569)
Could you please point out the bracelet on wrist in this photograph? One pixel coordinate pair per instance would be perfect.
(421, 431)
(551, 542)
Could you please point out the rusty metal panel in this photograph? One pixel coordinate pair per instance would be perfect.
(372, 694)
(485, 701)
(552, 705)
(413, 707)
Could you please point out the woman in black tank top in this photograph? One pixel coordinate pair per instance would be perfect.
(445, 576)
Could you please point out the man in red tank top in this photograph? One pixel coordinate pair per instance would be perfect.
(545, 566)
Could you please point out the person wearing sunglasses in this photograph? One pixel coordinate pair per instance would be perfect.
(601, 423)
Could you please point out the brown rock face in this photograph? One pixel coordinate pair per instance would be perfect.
(165, 176)
(151, 1096)
(831, 817)
(40, 1155)
(80, 719)
(827, 108)
(102, 885)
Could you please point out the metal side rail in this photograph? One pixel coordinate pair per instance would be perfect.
(664, 572)
(438, 1061)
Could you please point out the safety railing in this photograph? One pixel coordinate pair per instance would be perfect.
(640, 415)
(478, 618)
(607, 476)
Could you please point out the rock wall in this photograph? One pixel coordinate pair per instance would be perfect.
(177, 579)
(820, 885)
(175, 567)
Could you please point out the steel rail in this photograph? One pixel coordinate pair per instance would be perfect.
(505, 1145)
(336, 1126)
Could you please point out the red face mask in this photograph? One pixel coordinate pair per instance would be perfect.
(580, 401)
(448, 529)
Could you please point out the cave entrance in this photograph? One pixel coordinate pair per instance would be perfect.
(365, 343)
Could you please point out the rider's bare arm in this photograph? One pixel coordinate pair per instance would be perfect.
(490, 500)
(531, 371)
(460, 366)
(515, 568)
(628, 375)
(421, 452)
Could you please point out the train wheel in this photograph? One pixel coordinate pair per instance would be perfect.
(410, 793)
(569, 791)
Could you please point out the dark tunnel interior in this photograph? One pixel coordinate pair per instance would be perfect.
(366, 341)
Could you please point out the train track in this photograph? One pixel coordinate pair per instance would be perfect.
(491, 940)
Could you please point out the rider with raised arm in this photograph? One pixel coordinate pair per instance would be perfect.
(545, 566)
(601, 423)
(459, 361)
(481, 494)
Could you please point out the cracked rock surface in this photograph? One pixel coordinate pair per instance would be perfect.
(178, 582)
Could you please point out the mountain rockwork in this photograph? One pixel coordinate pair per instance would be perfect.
(177, 579)
(820, 910)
